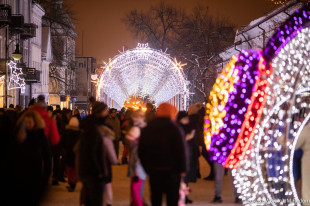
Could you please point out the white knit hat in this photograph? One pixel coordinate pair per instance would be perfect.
(74, 122)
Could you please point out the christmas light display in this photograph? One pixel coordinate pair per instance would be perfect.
(234, 112)
(215, 111)
(279, 2)
(265, 174)
(285, 33)
(143, 71)
(16, 77)
(252, 116)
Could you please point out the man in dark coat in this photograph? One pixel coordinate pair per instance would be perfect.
(91, 162)
(162, 151)
(114, 123)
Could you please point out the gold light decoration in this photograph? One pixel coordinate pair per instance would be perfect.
(218, 98)
(280, 2)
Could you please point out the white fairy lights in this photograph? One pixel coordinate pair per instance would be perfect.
(142, 71)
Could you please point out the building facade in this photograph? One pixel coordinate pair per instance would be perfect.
(257, 33)
(21, 29)
(85, 67)
(62, 68)
(41, 53)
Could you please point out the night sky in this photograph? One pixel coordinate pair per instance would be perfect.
(105, 33)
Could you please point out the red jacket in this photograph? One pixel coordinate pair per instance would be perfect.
(50, 130)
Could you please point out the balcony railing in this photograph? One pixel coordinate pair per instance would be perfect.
(29, 31)
(17, 24)
(5, 14)
(31, 75)
(2, 66)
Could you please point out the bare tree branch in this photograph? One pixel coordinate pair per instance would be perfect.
(196, 38)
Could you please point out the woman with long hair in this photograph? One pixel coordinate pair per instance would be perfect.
(31, 159)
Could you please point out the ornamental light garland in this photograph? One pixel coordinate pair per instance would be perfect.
(16, 80)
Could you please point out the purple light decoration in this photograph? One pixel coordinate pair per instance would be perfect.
(286, 32)
(236, 107)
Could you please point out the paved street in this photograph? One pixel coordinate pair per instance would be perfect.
(202, 191)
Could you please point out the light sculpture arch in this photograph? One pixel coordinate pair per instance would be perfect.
(265, 176)
(143, 71)
(257, 136)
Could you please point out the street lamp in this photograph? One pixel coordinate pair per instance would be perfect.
(17, 55)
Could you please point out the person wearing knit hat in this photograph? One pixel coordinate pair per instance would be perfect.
(99, 109)
(163, 154)
(70, 138)
(167, 110)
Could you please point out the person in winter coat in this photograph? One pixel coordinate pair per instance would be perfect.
(96, 154)
(6, 129)
(125, 126)
(304, 143)
(162, 151)
(31, 160)
(76, 113)
(12, 114)
(50, 131)
(188, 125)
(110, 158)
(149, 114)
(71, 136)
(135, 169)
(114, 123)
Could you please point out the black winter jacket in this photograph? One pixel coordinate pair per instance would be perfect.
(94, 160)
(31, 168)
(162, 147)
(70, 138)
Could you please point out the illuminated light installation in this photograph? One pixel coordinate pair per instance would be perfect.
(279, 2)
(252, 116)
(217, 101)
(143, 71)
(238, 101)
(265, 176)
(16, 80)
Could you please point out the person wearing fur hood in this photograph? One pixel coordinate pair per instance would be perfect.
(96, 154)
(135, 169)
(109, 156)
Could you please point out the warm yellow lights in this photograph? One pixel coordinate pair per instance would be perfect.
(215, 108)
(135, 103)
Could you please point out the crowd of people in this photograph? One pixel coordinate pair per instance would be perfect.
(42, 142)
